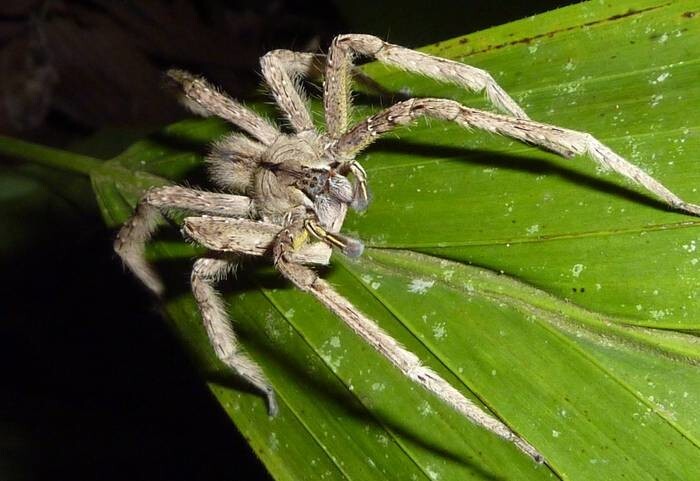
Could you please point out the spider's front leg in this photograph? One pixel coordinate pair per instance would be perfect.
(204, 99)
(337, 90)
(135, 232)
(549, 137)
(282, 70)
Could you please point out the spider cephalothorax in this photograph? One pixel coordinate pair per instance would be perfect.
(287, 194)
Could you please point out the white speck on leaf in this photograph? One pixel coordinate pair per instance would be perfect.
(424, 409)
(533, 229)
(439, 330)
(378, 386)
(663, 76)
(690, 247)
(383, 439)
(273, 442)
(659, 314)
(432, 473)
(577, 270)
(420, 286)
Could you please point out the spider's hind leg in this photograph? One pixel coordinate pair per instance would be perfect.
(205, 273)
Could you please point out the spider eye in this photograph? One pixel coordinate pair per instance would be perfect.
(314, 181)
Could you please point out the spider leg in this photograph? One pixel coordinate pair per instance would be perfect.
(281, 69)
(560, 140)
(407, 362)
(229, 238)
(206, 272)
(202, 98)
(131, 239)
(336, 96)
(250, 237)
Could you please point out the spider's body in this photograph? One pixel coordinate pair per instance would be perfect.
(285, 190)
(296, 172)
(287, 176)
(291, 175)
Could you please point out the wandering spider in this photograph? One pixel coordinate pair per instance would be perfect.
(285, 192)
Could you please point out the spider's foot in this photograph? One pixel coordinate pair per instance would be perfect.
(272, 408)
(155, 285)
(266, 389)
(134, 260)
(528, 449)
(689, 208)
(148, 277)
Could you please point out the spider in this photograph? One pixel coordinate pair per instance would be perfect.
(285, 195)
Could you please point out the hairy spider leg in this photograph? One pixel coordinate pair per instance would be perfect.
(557, 139)
(337, 88)
(407, 362)
(205, 273)
(202, 98)
(132, 237)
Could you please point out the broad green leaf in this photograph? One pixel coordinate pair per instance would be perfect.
(563, 299)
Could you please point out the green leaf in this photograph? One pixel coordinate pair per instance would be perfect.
(563, 299)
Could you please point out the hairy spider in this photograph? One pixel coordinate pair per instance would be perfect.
(285, 191)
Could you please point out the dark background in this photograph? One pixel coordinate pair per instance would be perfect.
(93, 384)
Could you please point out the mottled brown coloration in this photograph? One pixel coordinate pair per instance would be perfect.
(284, 191)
